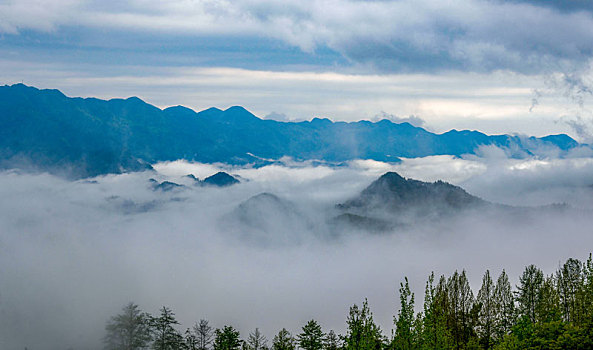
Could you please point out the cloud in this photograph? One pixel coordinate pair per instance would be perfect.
(412, 119)
(71, 257)
(475, 35)
(281, 117)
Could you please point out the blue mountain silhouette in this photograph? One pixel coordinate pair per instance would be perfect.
(80, 137)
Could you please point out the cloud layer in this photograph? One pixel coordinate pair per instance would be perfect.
(476, 35)
(73, 253)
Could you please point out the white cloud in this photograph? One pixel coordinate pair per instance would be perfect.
(391, 35)
(71, 257)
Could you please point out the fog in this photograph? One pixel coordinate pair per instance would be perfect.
(73, 253)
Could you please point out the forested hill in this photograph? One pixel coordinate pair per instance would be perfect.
(46, 130)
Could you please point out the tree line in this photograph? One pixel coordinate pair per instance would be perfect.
(541, 312)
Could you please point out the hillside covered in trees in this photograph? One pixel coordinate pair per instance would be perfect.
(541, 312)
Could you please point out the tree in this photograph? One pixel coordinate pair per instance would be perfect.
(331, 341)
(165, 336)
(283, 341)
(570, 290)
(530, 283)
(404, 323)
(548, 302)
(311, 338)
(434, 324)
(362, 332)
(203, 335)
(128, 330)
(226, 338)
(461, 302)
(191, 341)
(504, 307)
(487, 312)
(588, 289)
(256, 341)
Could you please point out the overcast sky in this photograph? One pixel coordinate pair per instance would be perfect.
(495, 66)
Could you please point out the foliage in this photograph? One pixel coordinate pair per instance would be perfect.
(166, 337)
(311, 338)
(227, 338)
(283, 341)
(553, 312)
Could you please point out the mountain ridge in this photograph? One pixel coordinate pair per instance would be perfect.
(89, 136)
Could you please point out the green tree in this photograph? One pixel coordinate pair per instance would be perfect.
(487, 311)
(404, 323)
(362, 332)
(331, 341)
(283, 341)
(547, 308)
(165, 336)
(571, 285)
(434, 333)
(461, 302)
(528, 293)
(129, 330)
(588, 290)
(226, 338)
(311, 338)
(504, 307)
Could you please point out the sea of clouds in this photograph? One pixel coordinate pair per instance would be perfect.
(72, 253)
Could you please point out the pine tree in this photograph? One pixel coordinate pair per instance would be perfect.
(588, 289)
(129, 330)
(165, 336)
(311, 338)
(256, 341)
(461, 302)
(226, 338)
(486, 317)
(570, 290)
(434, 323)
(404, 323)
(530, 283)
(283, 341)
(547, 308)
(504, 307)
(362, 332)
(331, 341)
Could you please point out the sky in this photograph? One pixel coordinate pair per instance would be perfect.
(74, 252)
(495, 66)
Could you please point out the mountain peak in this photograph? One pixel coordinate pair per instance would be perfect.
(391, 177)
(221, 179)
(238, 113)
(391, 191)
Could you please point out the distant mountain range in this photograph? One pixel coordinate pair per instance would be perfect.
(81, 137)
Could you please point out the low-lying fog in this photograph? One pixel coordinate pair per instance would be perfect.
(73, 253)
